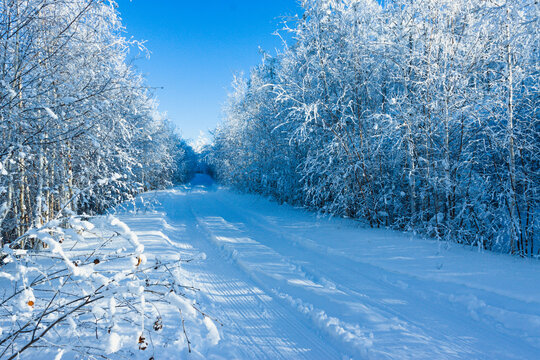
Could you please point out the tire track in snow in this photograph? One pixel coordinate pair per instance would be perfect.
(256, 326)
(491, 311)
(279, 278)
(259, 331)
(343, 335)
(425, 304)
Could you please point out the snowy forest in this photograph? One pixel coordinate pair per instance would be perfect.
(419, 115)
(80, 131)
(371, 192)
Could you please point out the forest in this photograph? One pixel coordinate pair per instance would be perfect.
(80, 130)
(80, 133)
(416, 115)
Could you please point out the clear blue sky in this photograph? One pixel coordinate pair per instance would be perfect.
(196, 47)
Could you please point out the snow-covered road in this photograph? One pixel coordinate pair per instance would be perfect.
(288, 284)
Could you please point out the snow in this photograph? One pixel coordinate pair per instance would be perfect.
(59, 355)
(286, 283)
(7, 276)
(278, 282)
(114, 345)
(213, 333)
(12, 93)
(183, 305)
(126, 300)
(51, 113)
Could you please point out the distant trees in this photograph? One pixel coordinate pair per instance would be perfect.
(416, 115)
(74, 116)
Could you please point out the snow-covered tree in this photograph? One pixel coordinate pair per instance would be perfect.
(417, 115)
(74, 115)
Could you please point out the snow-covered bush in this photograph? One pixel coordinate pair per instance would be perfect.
(92, 293)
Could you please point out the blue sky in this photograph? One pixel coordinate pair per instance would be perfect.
(196, 47)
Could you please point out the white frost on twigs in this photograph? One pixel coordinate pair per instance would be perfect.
(51, 113)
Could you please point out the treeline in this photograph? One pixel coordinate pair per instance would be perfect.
(420, 115)
(79, 130)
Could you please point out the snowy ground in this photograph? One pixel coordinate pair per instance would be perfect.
(287, 284)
